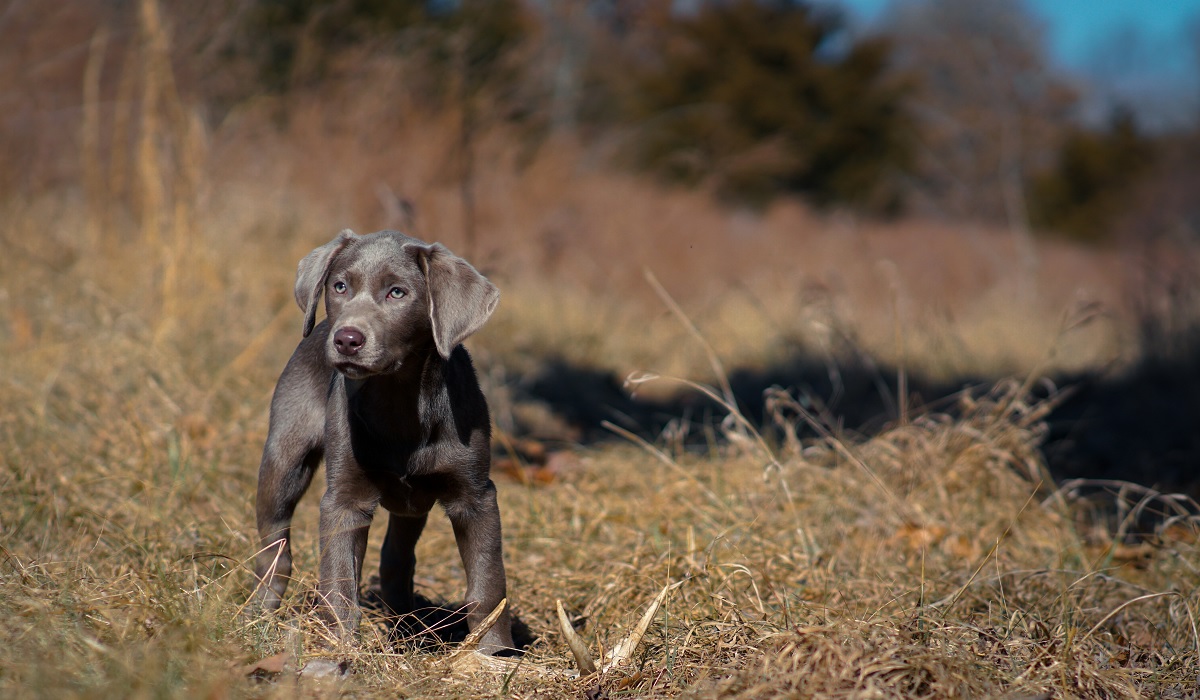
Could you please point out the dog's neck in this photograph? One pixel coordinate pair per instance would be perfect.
(399, 402)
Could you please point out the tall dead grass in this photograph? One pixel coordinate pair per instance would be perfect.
(137, 362)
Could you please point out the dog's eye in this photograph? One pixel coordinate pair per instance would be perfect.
(339, 287)
(395, 293)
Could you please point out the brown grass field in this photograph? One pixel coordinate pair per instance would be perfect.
(147, 311)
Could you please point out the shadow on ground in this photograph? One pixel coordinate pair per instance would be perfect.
(433, 624)
(1140, 425)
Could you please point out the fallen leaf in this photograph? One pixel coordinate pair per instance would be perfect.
(526, 474)
(269, 666)
(963, 547)
(1179, 533)
(1136, 554)
(21, 328)
(917, 537)
(532, 451)
(629, 680)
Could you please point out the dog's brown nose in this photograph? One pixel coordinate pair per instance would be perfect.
(348, 340)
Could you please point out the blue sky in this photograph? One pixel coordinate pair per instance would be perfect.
(1076, 29)
(1156, 66)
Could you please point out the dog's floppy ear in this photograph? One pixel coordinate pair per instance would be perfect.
(460, 299)
(311, 274)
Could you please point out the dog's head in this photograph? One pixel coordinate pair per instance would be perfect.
(389, 296)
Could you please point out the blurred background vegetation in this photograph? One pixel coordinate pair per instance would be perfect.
(947, 109)
(952, 108)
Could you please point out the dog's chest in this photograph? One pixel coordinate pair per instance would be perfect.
(401, 465)
(393, 450)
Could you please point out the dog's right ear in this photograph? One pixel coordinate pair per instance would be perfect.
(311, 274)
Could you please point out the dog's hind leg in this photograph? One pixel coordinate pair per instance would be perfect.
(398, 561)
(477, 532)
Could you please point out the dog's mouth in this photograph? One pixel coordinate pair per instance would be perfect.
(354, 371)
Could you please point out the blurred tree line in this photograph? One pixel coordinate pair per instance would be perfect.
(953, 111)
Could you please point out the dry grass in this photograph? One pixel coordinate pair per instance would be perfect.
(933, 560)
(145, 317)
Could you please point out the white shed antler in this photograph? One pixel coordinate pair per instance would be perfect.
(468, 660)
(623, 651)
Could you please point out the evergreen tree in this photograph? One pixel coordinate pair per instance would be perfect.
(1091, 183)
(773, 97)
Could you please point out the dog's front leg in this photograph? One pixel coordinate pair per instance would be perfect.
(345, 520)
(476, 523)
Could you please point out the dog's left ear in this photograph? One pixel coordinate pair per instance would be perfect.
(460, 299)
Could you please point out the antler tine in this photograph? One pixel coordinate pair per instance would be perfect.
(623, 651)
(472, 641)
(583, 658)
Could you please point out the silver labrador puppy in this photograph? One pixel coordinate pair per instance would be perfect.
(385, 392)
